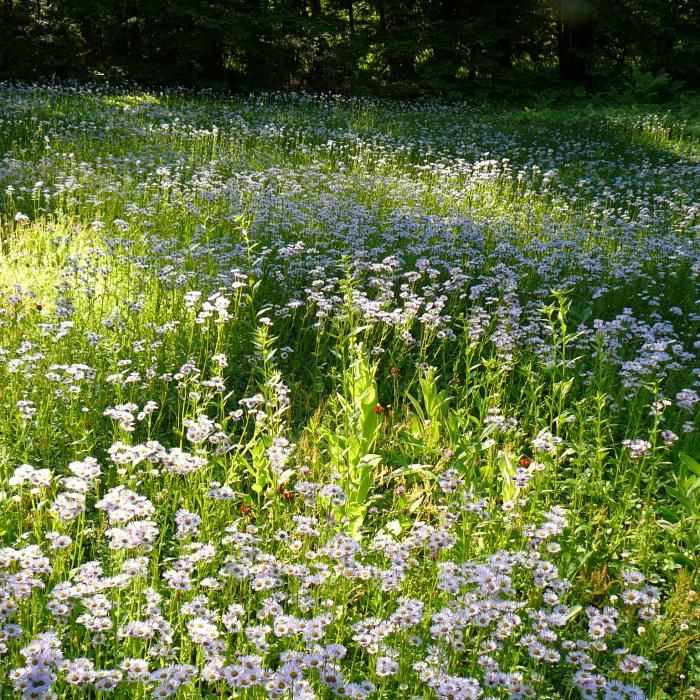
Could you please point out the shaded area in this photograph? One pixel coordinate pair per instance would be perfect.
(405, 47)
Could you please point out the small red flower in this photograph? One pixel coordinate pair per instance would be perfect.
(379, 408)
(287, 495)
(524, 461)
(245, 509)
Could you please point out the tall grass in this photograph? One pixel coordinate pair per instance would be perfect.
(312, 396)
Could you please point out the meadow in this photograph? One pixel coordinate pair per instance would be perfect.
(315, 396)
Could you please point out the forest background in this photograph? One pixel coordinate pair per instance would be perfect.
(634, 49)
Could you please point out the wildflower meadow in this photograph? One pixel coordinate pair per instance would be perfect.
(307, 396)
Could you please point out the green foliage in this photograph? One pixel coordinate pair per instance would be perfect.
(647, 88)
(684, 518)
(353, 323)
(427, 423)
(351, 440)
(407, 47)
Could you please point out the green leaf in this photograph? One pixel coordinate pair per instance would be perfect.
(680, 558)
(368, 464)
(359, 330)
(413, 469)
(686, 502)
(575, 610)
(285, 476)
(415, 505)
(690, 463)
(394, 527)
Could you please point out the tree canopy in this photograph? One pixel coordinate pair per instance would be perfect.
(405, 47)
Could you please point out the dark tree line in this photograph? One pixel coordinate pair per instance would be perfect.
(404, 46)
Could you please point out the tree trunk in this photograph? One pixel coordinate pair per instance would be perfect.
(351, 18)
(382, 16)
(575, 39)
(446, 39)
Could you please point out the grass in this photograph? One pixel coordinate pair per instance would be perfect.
(314, 396)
